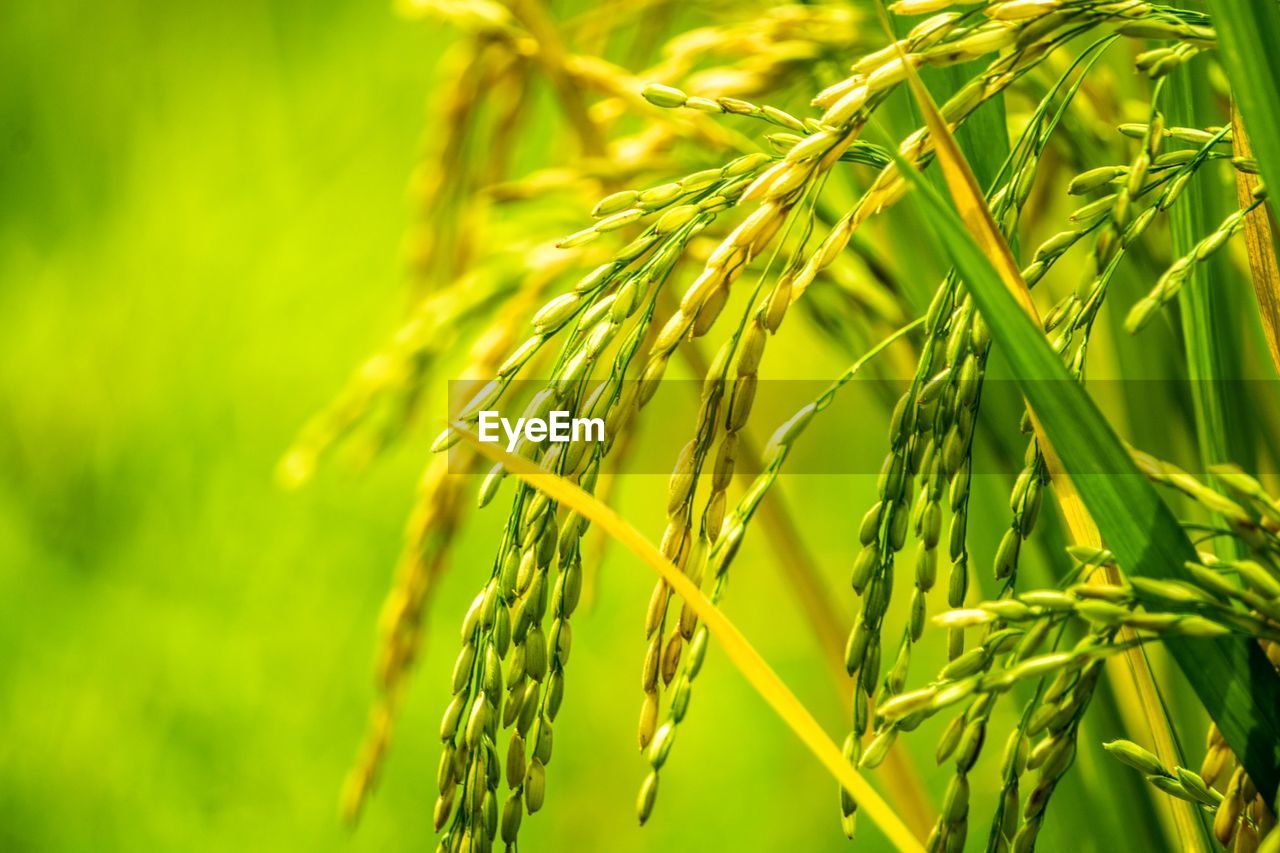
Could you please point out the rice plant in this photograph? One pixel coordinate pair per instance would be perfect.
(958, 196)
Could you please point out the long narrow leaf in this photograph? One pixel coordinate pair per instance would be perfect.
(1250, 33)
(742, 654)
(1143, 702)
(1211, 354)
(1210, 329)
(800, 570)
(1263, 268)
(964, 188)
(1232, 678)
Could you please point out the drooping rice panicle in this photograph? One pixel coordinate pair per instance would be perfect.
(715, 163)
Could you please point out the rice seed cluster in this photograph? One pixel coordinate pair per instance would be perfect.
(1241, 817)
(664, 262)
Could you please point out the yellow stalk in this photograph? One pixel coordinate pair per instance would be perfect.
(1258, 240)
(551, 55)
(798, 567)
(1149, 712)
(739, 651)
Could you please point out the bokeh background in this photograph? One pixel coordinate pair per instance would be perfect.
(201, 216)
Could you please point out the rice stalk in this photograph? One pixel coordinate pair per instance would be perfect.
(736, 647)
(1111, 511)
(751, 218)
(1084, 532)
(1260, 244)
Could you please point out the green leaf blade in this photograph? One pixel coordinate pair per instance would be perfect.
(1233, 679)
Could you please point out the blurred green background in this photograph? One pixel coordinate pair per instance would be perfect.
(201, 209)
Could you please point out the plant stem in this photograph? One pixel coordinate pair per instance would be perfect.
(800, 570)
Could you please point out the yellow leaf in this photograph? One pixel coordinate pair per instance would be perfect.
(1258, 240)
(973, 209)
(972, 205)
(740, 652)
